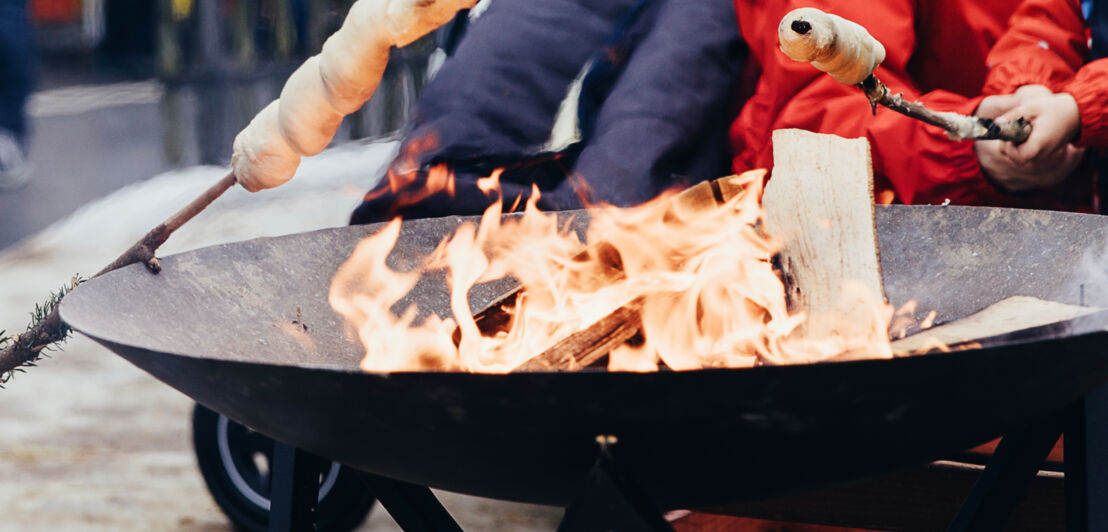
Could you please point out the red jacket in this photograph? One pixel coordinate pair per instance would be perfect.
(935, 53)
(1048, 44)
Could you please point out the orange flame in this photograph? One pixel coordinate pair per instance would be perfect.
(490, 184)
(404, 173)
(704, 276)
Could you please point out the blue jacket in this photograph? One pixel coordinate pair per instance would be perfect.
(653, 110)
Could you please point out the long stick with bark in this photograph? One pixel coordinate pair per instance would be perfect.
(28, 346)
(847, 52)
(957, 126)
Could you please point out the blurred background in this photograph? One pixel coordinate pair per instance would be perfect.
(127, 89)
(132, 112)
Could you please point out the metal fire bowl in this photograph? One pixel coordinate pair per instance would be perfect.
(213, 325)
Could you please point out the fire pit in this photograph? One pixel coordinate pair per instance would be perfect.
(245, 329)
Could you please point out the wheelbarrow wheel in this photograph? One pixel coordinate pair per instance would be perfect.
(236, 464)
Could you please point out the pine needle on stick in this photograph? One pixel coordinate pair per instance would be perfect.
(47, 328)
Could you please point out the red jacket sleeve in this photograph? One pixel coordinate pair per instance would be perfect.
(1046, 42)
(1090, 88)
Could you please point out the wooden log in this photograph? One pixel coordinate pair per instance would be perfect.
(590, 344)
(819, 205)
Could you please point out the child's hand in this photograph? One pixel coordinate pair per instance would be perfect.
(994, 106)
(1047, 157)
(1055, 122)
(1045, 171)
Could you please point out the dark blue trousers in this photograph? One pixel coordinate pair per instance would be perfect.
(16, 66)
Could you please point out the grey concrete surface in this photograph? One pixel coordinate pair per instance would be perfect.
(80, 156)
(90, 443)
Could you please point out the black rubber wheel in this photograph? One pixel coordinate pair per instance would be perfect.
(236, 461)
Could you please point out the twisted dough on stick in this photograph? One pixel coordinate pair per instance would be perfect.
(839, 47)
(331, 85)
(262, 157)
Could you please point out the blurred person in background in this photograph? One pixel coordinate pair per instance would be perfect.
(16, 80)
(636, 102)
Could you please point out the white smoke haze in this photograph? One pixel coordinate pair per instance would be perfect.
(1093, 267)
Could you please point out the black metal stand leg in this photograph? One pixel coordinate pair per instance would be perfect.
(1014, 464)
(294, 490)
(1077, 488)
(413, 507)
(1096, 453)
(609, 501)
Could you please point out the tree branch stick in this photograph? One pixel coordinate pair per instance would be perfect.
(27, 346)
(143, 250)
(958, 127)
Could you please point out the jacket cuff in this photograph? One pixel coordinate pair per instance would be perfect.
(1006, 77)
(1092, 105)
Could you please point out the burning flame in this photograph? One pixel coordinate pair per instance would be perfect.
(701, 278)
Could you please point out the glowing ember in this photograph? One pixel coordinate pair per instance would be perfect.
(700, 276)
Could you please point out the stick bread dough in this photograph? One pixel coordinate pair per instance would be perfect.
(839, 47)
(331, 85)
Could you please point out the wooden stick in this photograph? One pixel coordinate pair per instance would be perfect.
(143, 250)
(958, 127)
(27, 346)
(590, 344)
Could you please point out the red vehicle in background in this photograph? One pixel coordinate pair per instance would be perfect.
(120, 29)
(56, 11)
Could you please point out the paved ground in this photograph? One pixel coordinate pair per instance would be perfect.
(68, 150)
(90, 443)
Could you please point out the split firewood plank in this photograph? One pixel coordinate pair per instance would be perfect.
(1006, 316)
(819, 204)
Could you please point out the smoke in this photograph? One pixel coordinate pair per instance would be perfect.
(1092, 272)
